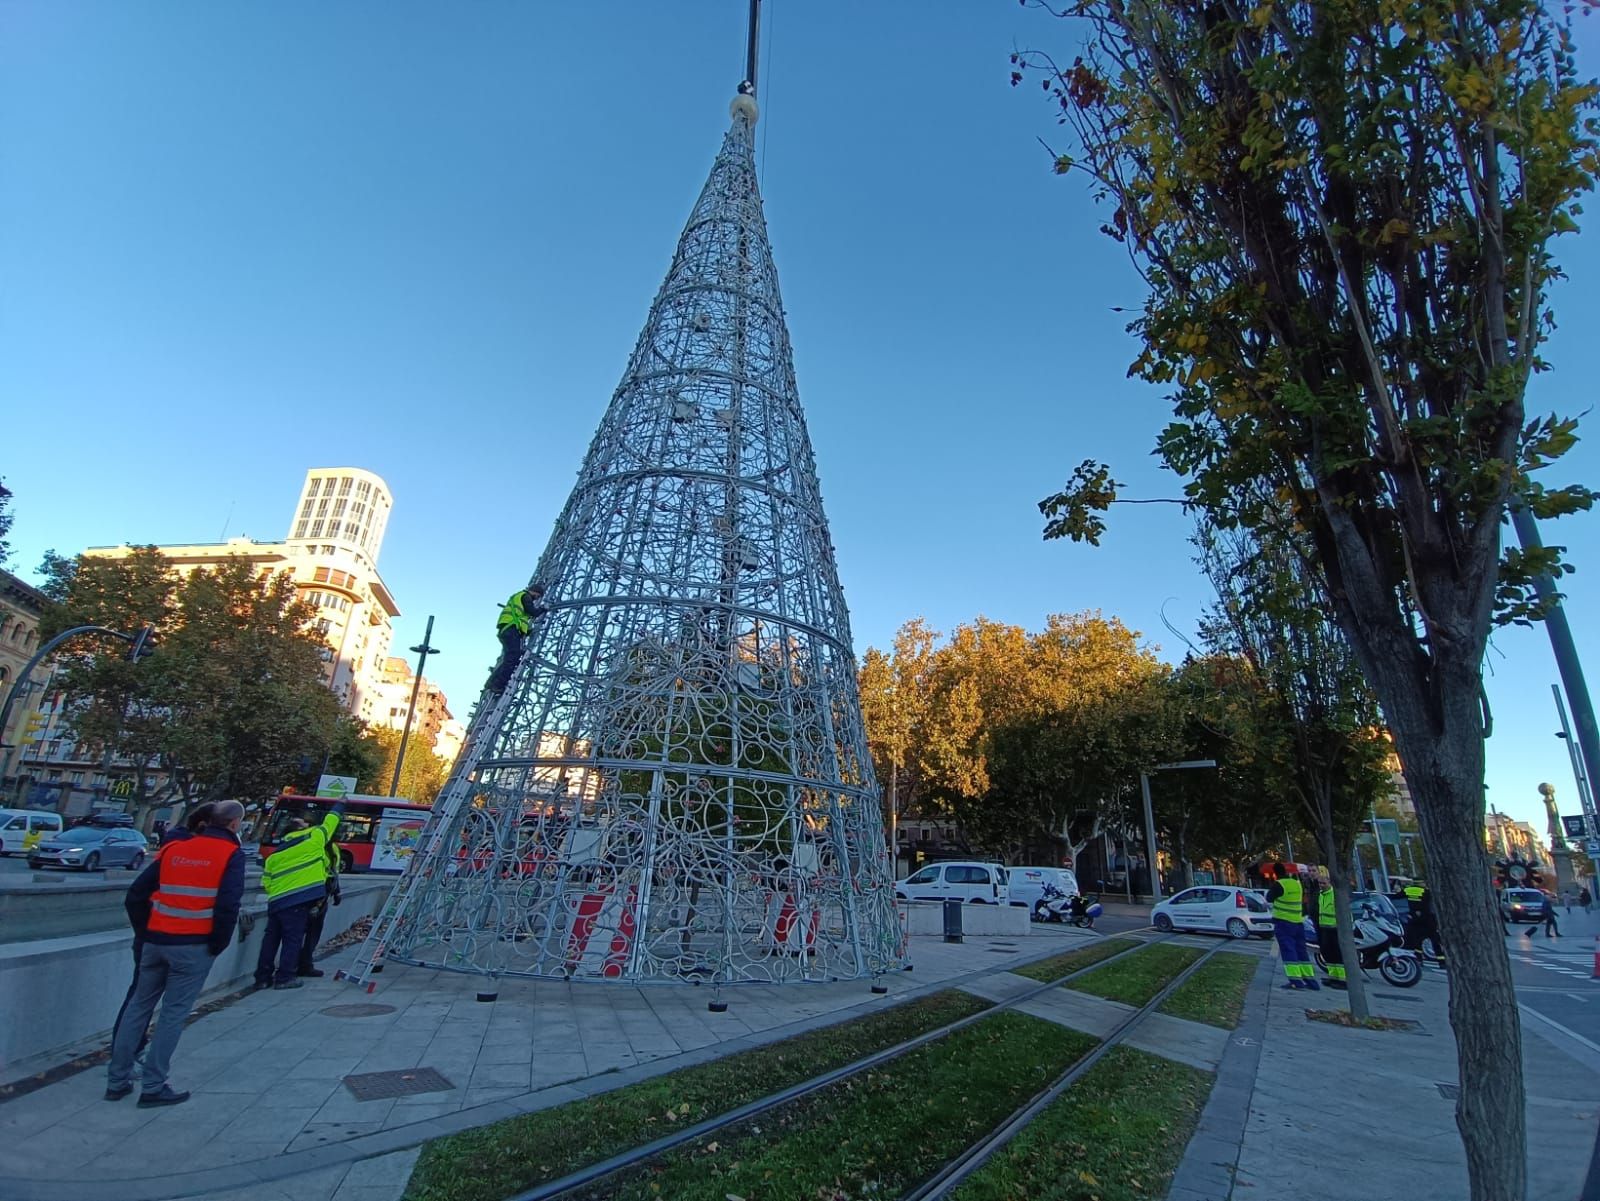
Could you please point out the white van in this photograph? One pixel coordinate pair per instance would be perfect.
(23, 829)
(1027, 883)
(978, 883)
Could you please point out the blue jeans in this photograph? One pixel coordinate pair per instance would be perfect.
(174, 976)
(286, 931)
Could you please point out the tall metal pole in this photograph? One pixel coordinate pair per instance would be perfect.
(1377, 838)
(1585, 784)
(752, 51)
(1150, 837)
(423, 652)
(1566, 650)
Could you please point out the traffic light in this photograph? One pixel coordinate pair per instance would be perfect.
(144, 643)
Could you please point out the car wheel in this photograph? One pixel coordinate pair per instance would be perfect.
(977, 901)
(1162, 922)
(136, 862)
(1237, 928)
(92, 863)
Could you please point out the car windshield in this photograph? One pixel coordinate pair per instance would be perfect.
(1526, 896)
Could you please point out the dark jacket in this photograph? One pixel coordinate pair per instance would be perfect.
(230, 895)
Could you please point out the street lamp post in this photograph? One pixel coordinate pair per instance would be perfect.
(422, 652)
(1149, 815)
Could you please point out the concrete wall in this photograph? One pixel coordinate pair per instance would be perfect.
(58, 992)
(927, 917)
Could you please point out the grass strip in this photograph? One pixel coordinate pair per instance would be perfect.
(1118, 1135)
(1214, 994)
(1060, 965)
(875, 1135)
(493, 1162)
(1140, 976)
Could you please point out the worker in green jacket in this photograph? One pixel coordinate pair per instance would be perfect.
(512, 627)
(295, 878)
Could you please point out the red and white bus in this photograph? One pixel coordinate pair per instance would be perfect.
(387, 826)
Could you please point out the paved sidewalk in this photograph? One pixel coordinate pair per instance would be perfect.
(271, 1117)
(1357, 1113)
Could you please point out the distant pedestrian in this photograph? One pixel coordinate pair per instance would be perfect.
(1288, 925)
(184, 907)
(1584, 898)
(295, 877)
(1547, 915)
(192, 825)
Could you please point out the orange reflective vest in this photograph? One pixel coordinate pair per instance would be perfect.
(185, 898)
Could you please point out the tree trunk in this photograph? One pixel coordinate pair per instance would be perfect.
(1440, 741)
(1355, 982)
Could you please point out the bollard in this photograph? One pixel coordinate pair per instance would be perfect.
(952, 920)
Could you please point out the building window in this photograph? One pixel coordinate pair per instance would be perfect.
(313, 484)
(300, 530)
(344, 485)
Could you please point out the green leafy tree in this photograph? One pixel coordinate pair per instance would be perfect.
(422, 776)
(233, 697)
(116, 711)
(1344, 216)
(896, 694)
(1269, 613)
(1240, 811)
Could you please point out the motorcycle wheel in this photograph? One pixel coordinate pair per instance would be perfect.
(1402, 971)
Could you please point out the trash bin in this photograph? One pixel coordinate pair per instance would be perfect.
(952, 920)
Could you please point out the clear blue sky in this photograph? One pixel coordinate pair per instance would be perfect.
(239, 240)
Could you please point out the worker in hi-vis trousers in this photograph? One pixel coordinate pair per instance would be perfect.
(1328, 936)
(1287, 899)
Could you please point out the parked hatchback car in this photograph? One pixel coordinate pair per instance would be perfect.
(90, 848)
(1521, 904)
(21, 829)
(978, 883)
(1215, 908)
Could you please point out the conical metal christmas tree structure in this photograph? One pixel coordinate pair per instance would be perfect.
(676, 786)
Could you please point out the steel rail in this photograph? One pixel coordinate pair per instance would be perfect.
(954, 1173)
(743, 1113)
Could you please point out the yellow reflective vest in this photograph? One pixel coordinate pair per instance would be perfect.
(1290, 906)
(514, 613)
(297, 872)
(1327, 915)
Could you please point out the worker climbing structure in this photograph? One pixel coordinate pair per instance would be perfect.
(675, 786)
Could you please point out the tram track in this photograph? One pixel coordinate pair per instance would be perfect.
(576, 1182)
(949, 1178)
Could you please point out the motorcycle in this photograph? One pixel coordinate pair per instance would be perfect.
(1380, 944)
(1054, 905)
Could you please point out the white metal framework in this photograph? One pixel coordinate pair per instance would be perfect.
(676, 785)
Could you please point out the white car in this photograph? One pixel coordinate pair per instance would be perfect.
(1215, 908)
(977, 883)
(1026, 884)
(23, 829)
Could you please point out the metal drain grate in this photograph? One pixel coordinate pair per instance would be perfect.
(1395, 996)
(1450, 1092)
(357, 1011)
(380, 1086)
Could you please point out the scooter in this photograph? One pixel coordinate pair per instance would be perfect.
(1379, 944)
(1054, 905)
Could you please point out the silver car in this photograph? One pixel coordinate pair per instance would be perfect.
(90, 848)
